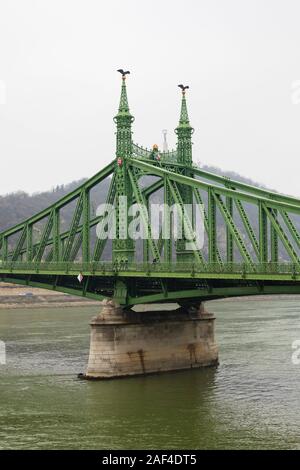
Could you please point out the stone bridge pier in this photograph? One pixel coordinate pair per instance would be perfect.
(126, 343)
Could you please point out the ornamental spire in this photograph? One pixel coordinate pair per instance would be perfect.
(124, 120)
(123, 106)
(184, 117)
(184, 132)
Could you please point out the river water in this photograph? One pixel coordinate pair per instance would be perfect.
(251, 401)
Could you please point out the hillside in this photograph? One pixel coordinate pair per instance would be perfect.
(18, 206)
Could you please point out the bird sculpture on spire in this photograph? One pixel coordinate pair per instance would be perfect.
(123, 73)
(183, 88)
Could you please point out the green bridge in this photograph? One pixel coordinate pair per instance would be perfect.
(251, 235)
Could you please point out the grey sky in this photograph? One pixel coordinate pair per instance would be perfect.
(58, 61)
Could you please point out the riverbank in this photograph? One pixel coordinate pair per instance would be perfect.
(15, 296)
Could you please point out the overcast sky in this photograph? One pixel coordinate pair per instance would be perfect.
(59, 88)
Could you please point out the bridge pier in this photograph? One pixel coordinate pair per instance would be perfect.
(126, 343)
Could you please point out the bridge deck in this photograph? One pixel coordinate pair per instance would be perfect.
(260, 271)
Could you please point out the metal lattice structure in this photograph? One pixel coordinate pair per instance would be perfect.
(252, 239)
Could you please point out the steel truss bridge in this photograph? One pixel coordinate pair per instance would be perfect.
(252, 239)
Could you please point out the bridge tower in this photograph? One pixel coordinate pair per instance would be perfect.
(126, 342)
(123, 247)
(184, 132)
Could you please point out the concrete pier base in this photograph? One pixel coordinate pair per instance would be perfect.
(126, 343)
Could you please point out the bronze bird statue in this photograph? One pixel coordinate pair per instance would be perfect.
(123, 73)
(183, 87)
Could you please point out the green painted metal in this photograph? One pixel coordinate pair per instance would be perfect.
(152, 169)
(174, 269)
(212, 226)
(248, 227)
(44, 238)
(123, 247)
(20, 243)
(184, 133)
(167, 223)
(73, 228)
(146, 250)
(144, 214)
(274, 239)
(263, 233)
(186, 222)
(86, 226)
(76, 247)
(95, 220)
(233, 229)
(101, 241)
(280, 232)
(100, 176)
(259, 192)
(229, 236)
(56, 235)
(206, 221)
(29, 244)
(49, 256)
(38, 252)
(293, 231)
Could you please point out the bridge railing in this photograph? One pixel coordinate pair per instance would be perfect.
(144, 153)
(144, 268)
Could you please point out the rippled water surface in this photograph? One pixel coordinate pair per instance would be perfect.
(252, 400)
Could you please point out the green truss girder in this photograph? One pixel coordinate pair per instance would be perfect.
(263, 233)
(248, 226)
(274, 239)
(85, 232)
(147, 192)
(245, 188)
(160, 241)
(92, 182)
(268, 212)
(282, 235)
(212, 227)
(233, 229)
(166, 244)
(234, 194)
(76, 246)
(73, 228)
(56, 241)
(29, 250)
(144, 214)
(206, 221)
(95, 220)
(44, 238)
(101, 241)
(49, 256)
(76, 228)
(229, 237)
(20, 244)
(184, 217)
(291, 227)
